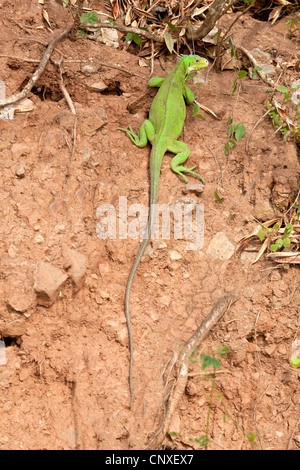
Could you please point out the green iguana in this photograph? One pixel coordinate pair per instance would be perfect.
(162, 129)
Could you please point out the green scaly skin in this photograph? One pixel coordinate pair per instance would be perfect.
(162, 129)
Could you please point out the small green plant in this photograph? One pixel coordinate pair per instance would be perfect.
(281, 242)
(279, 115)
(210, 361)
(89, 17)
(235, 133)
(297, 207)
(240, 75)
(284, 241)
(294, 25)
(295, 361)
(133, 37)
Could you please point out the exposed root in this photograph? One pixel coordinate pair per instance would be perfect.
(181, 363)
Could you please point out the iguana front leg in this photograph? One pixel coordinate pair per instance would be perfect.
(145, 133)
(156, 82)
(182, 152)
(189, 95)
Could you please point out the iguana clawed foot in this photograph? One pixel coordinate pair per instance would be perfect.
(183, 169)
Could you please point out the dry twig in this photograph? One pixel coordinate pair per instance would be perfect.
(182, 365)
(40, 69)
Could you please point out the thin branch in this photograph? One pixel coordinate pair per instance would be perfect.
(124, 29)
(40, 69)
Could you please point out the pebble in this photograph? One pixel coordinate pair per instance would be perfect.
(14, 329)
(174, 255)
(20, 301)
(98, 86)
(196, 188)
(48, 282)
(77, 263)
(220, 247)
(20, 171)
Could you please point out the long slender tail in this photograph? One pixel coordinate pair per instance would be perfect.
(151, 220)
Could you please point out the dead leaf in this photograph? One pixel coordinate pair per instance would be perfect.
(274, 15)
(128, 17)
(24, 105)
(169, 41)
(46, 17)
(285, 257)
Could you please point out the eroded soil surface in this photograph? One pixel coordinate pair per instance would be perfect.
(65, 381)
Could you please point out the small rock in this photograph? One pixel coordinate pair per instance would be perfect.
(48, 282)
(54, 142)
(20, 149)
(220, 247)
(98, 86)
(39, 238)
(77, 266)
(248, 256)
(20, 171)
(66, 120)
(89, 69)
(14, 329)
(20, 301)
(86, 155)
(159, 245)
(90, 121)
(196, 188)
(174, 255)
(122, 336)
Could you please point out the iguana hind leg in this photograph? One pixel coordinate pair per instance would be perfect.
(145, 133)
(182, 152)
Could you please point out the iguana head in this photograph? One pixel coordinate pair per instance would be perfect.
(193, 62)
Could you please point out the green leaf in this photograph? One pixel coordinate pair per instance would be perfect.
(218, 198)
(172, 26)
(276, 226)
(136, 38)
(209, 361)
(65, 3)
(252, 437)
(282, 89)
(295, 361)
(227, 149)
(202, 441)
(196, 109)
(242, 74)
(169, 41)
(240, 132)
(82, 34)
(286, 242)
(216, 36)
(223, 350)
(128, 37)
(274, 247)
(255, 69)
(229, 121)
(90, 17)
(261, 234)
(199, 116)
(288, 229)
